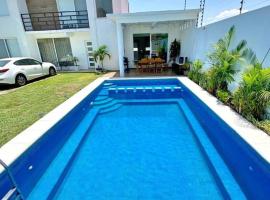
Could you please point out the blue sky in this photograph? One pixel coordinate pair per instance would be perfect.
(215, 10)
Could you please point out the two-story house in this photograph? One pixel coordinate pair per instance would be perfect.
(52, 30)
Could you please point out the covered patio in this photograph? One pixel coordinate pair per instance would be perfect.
(148, 36)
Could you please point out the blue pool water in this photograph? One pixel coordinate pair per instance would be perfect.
(141, 139)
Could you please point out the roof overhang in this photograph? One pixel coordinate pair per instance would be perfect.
(155, 16)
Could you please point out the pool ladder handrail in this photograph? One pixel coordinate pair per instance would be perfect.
(15, 188)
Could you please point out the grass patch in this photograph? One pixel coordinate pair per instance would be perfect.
(22, 107)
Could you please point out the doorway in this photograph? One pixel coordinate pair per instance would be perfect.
(141, 46)
(150, 46)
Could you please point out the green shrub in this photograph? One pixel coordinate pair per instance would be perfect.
(253, 95)
(224, 96)
(264, 125)
(195, 72)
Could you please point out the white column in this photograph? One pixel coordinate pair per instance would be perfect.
(120, 45)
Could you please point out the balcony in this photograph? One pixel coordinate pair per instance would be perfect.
(55, 20)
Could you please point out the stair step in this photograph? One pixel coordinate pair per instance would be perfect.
(110, 109)
(103, 93)
(59, 165)
(102, 102)
(101, 98)
(110, 104)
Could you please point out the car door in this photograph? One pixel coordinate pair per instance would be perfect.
(30, 68)
(36, 67)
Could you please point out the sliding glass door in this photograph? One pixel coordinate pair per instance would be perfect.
(150, 46)
(141, 46)
(9, 48)
(54, 50)
(159, 45)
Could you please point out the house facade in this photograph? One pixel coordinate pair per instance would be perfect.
(57, 30)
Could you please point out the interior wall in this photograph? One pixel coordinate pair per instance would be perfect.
(172, 29)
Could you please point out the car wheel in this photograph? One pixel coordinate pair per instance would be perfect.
(52, 71)
(20, 80)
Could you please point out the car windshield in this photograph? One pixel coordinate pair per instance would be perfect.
(4, 62)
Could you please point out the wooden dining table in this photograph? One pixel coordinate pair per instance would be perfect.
(149, 64)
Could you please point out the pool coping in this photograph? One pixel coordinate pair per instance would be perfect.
(10, 151)
(255, 137)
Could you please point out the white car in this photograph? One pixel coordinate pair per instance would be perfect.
(20, 70)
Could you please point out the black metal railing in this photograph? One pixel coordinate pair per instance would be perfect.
(55, 20)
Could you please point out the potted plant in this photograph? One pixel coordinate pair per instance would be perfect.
(174, 53)
(69, 61)
(100, 54)
(175, 50)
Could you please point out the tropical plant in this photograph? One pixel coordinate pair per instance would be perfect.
(253, 95)
(162, 52)
(224, 96)
(195, 72)
(100, 54)
(175, 50)
(224, 61)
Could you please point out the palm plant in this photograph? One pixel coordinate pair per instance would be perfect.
(100, 54)
(224, 61)
(195, 72)
(253, 95)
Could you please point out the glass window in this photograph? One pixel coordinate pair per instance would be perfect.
(3, 49)
(104, 7)
(13, 48)
(3, 8)
(32, 62)
(21, 62)
(9, 48)
(159, 45)
(4, 62)
(63, 49)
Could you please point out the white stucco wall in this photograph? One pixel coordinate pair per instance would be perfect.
(171, 28)
(106, 35)
(254, 27)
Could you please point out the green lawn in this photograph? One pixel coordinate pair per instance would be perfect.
(22, 107)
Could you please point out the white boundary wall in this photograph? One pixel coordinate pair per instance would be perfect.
(252, 26)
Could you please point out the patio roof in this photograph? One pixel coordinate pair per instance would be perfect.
(155, 16)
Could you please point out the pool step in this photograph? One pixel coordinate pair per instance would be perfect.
(59, 166)
(102, 102)
(107, 105)
(149, 92)
(110, 109)
(101, 98)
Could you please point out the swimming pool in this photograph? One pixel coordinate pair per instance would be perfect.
(139, 139)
